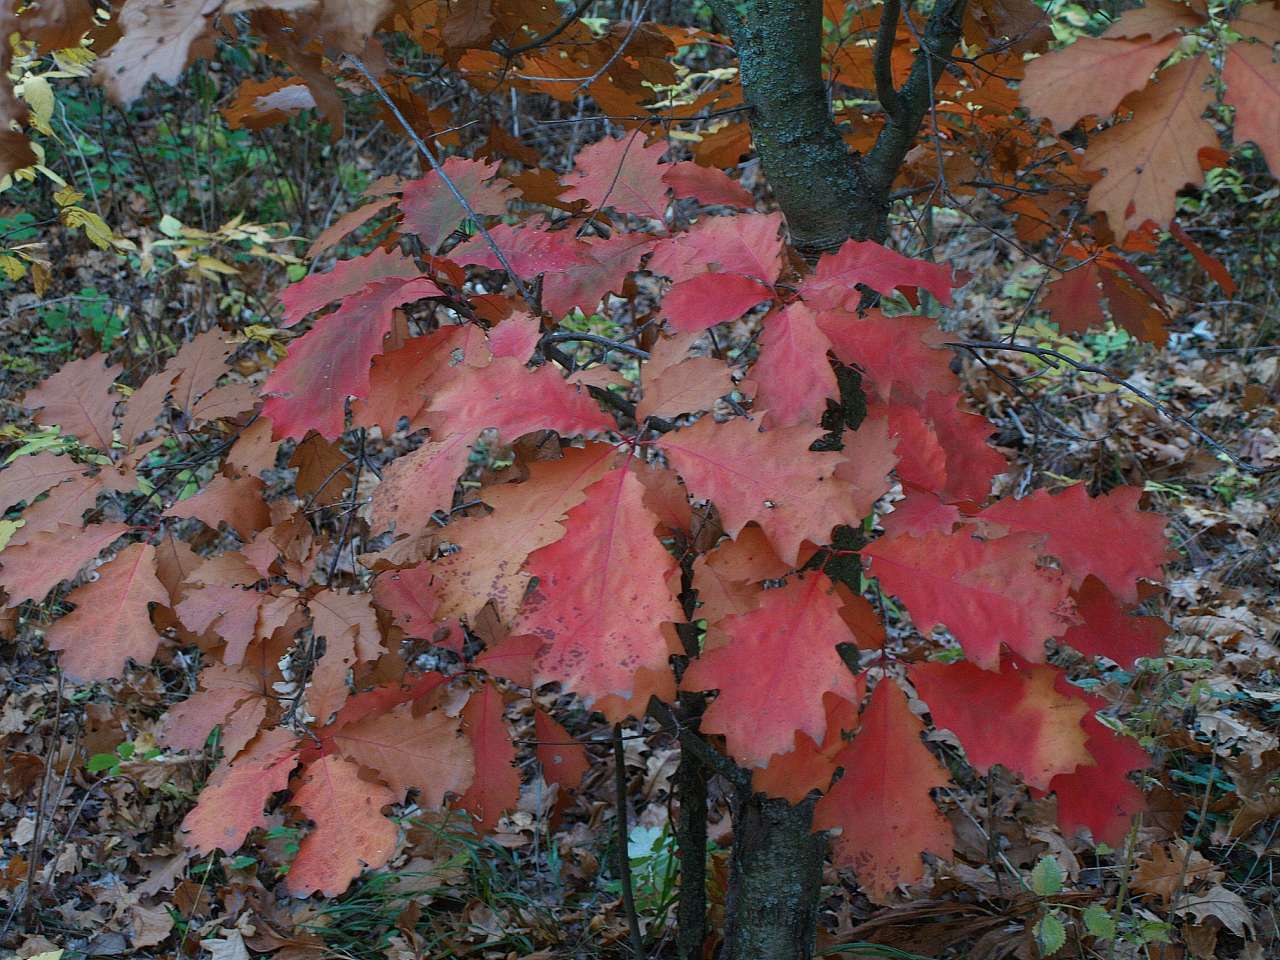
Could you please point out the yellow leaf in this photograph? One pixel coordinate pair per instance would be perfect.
(38, 93)
(212, 265)
(11, 267)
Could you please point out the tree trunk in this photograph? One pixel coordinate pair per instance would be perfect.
(775, 880)
(828, 195)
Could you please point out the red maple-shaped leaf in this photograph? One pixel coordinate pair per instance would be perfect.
(1074, 301)
(1109, 631)
(902, 357)
(427, 753)
(34, 568)
(78, 400)
(760, 707)
(984, 591)
(329, 363)
(488, 564)
(28, 477)
(710, 186)
(773, 478)
(349, 625)
(832, 287)
(621, 174)
(1016, 717)
(881, 804)
(1107, 536)
(809, 766)
(1101, 797)
(348, 830)
(347, 277)
(793, 376)
(231, 804)
(432, 211)
(505, 396)
(496, 787)
(111, 623)
(602, 593)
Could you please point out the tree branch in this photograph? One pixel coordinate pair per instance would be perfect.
(883, 63)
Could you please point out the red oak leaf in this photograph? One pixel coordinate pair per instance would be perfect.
(488, 564)
(748, 245)
(832, 287)
(984, 591)
(774, 478)
(943, 448)
(432, 211)
(427, 753)
(64, 505)
(728, 578)
(881, 804)
(902, 357)
(28, 477)
(621, 174)
(1074, 301)
(496, 787)
(701, 302)
(792, 374)
(710, 186)
(233, 697)
(1015, 717)
(237, 501)
(1106, 536)
(349, 832)
(759, 707)
(33, 569)
(400, 380)
(77, 399)
(807, 766)
(602, 593)
(1101, 797)
(505, 396)
(673, 385)
(346, 278)
(412, 597)
(111, 623)
(601, 269)
(329, 363)
(231, 803)
(564, 761)
(1109, 631)
(186, 377)
(531, 250)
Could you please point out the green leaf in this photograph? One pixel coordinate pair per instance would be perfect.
(1051, 935)
(125, 750)
(1099, 923)
(102, 761)
(1046, 878)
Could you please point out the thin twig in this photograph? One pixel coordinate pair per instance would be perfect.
(624, 854)
(563, 336)
(1054, 357)
(501, 257)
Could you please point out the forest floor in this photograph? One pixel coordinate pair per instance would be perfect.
(89, 862)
